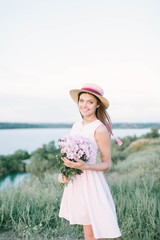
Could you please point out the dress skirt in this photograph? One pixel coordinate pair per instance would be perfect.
(87, 200)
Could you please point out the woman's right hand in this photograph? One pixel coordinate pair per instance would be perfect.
(62, 179)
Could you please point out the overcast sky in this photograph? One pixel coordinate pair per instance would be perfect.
(49, 47)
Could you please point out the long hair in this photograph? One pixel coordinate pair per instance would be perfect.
(101, 113)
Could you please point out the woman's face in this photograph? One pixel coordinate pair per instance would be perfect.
(87, 104)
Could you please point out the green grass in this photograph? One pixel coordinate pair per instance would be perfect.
(32, 209)
(135, 184)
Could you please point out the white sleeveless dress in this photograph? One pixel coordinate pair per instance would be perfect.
(87, 199)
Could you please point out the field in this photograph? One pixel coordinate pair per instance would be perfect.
(30, 212)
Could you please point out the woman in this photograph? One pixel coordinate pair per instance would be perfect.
(87, 199)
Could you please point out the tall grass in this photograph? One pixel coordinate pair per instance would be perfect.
(32, 209)
(135, 188)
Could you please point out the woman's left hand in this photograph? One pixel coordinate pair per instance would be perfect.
(79, 164)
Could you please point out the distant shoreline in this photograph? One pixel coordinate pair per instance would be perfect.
(10, 125)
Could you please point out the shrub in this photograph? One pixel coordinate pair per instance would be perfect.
(43, 159)
(13, 162)
(118, 156)
(153, 134)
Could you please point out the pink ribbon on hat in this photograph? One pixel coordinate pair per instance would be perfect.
(92, 90)
(117, 139)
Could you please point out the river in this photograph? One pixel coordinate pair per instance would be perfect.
(31, 139)
(13, 180)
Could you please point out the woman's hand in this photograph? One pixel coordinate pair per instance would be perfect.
(62, 179)
(79, 164)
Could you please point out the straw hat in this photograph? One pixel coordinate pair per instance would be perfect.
(92, 89)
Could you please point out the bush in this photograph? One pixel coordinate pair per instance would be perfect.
(43, 159)
(118, 156)
(153, 134)
(118, 153)
(13, 163)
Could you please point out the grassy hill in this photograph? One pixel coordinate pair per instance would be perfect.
(135, 184)
(32, 209)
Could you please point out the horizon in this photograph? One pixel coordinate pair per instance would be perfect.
(73, 122)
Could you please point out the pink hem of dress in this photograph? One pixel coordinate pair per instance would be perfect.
(90, 224)
(78, 223)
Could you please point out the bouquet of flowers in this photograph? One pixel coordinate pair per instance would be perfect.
(73, 148)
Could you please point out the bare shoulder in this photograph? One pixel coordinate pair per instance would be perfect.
(101, 132)
(101, 128)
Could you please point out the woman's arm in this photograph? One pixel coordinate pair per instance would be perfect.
(103, 141)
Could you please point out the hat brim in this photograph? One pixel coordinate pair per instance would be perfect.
(74, 94)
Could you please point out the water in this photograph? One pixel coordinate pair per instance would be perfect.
(28, 139)
(13, 180)
(31, 139)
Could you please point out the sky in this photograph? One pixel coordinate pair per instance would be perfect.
(49, 47)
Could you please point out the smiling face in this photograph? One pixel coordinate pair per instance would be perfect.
(87, 105)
